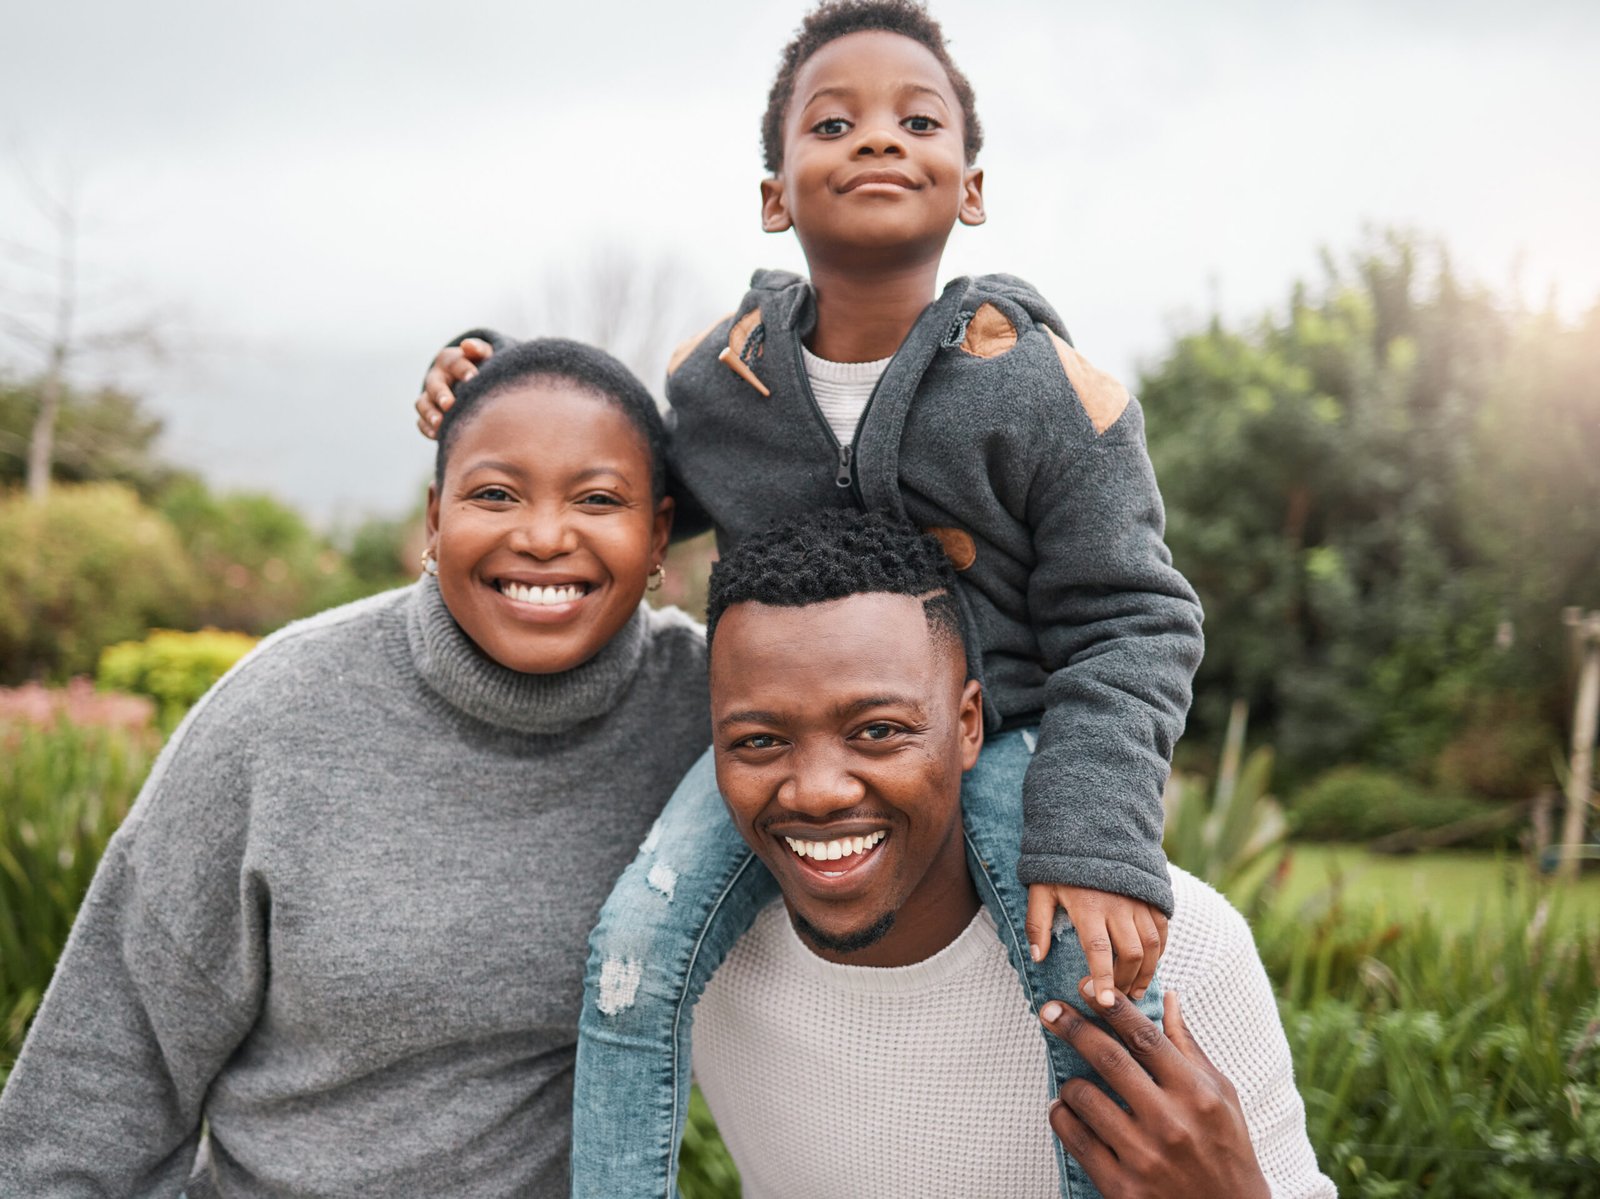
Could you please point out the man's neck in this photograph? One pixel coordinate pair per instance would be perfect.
(865, 317)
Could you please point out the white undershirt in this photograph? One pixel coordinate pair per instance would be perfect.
(931, 1079)
(842, 390)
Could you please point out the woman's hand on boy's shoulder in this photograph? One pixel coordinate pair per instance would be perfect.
(451, 365)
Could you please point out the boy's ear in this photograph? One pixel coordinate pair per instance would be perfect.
(972, 198)
(774, 211)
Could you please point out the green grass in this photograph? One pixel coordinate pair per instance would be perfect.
(1458, 889)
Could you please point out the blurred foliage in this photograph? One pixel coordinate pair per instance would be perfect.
(63, 792)
(1385, 495)
(1357, 803)
(705, 1169)
(1462, 1063)
(258, 563)
(88, 567)
(1221, 833)
(174, 669)
(103, 435)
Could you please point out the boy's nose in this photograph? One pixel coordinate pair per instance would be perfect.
(880, 139)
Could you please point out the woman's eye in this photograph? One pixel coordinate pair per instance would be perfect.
(832, 127)
(494, 495)
(920, 124)
(599, 499)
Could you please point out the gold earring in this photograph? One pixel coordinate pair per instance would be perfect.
(658, 576)
(430, 564)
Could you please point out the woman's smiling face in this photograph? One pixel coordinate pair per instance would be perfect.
(544, 527)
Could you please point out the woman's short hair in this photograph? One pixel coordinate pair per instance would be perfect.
(557, 359)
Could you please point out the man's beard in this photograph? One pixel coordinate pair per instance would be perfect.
(848, 942)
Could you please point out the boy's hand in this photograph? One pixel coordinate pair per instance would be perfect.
(1123, 938)
(451, 365)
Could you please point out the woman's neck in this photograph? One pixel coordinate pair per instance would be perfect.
(862, 318)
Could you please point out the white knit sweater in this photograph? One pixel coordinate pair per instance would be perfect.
(931, 1079)
(842, 390)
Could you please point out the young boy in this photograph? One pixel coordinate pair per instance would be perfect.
(969, 413)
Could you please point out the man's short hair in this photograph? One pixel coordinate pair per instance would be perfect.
(560, 361)
(833, 20)
(833, 554)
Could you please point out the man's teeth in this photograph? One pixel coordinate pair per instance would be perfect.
(565, 593)
(831, 851)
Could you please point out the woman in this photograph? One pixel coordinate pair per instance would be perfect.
(343, 927)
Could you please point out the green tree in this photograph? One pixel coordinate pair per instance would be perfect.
(1358, 488)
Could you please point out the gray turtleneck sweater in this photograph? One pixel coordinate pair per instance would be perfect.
(344, 924)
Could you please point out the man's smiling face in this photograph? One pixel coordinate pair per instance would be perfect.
(842, 730)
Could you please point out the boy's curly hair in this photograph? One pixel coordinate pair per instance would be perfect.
(833, 20)
(832, 554)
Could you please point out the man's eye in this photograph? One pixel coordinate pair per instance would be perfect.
(879, 731)
(758, 741)
(920, 124)
(832, 127)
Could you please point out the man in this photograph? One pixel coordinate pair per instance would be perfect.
(868, 1035)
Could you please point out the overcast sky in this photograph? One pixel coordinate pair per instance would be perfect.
(317, 195)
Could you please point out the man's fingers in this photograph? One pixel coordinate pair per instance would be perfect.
(1149, 1047)
(462, 369)
(1098, 1110)
(1100, 1049)
(1041, 920)
(477, 349)
(1144, 922)
(1090, 1151)
(1180, 1036)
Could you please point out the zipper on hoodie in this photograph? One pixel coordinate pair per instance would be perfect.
(844, 474)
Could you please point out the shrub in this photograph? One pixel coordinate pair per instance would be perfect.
(63, 791)
(259, 565)
(89, 566)
(1357, 804)
(1432, 1063)
(174, 669)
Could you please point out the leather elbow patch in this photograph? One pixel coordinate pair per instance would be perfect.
(957, 544)
(990, 333)
(685, 348)
(1104, 399)
(744, 347)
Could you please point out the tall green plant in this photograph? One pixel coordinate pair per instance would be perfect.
(63, 792)
(1222, 837)
(1444, 1063)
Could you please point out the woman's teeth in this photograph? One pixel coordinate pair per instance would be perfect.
(565, 593)
(829, 851)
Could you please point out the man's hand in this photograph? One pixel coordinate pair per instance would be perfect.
(451, 365)
(1123, 938)
(1184, 1133)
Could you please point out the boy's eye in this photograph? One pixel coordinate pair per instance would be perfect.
(832, 127)
(920, 124)
(757, 741)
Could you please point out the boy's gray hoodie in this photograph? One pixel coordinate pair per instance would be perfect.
(1043, 496)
